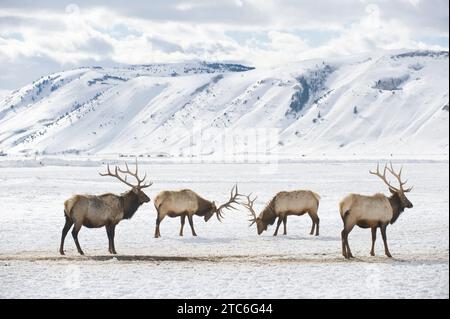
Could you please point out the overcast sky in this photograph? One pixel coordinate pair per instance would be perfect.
(40, 37)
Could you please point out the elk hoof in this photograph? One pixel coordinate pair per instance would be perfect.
(81, 253)
(62, 252)
(372, 253)
(388, 255)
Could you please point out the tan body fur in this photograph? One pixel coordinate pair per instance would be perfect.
(376, 211)
(296, 203)
(95, 211)
(366, 211)
(177, 202)
(284, 204)
(183, 203)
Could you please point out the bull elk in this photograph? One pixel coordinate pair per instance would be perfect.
(283, 205)
(375, 211)
(107, 210)
(187, 203)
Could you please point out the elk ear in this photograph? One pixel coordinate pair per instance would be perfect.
(393, 192)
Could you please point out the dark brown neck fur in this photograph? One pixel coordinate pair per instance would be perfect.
(130, 202)
(268, 215)
(397, 207)
(204, 207)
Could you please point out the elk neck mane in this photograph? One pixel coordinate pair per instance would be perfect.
(268, 214)
(130, 203)
(204, 206)
(397, 207)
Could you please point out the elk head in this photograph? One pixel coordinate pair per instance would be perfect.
(398, 192)
(212, 212)
(228, 205)
(135, 188)
(260, 225)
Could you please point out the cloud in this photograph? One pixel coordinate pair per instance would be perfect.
(63, 34)
(165, 46)
(325, 14)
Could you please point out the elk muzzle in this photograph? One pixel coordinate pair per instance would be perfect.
(260, 226)
(209, 215)
(143, 198)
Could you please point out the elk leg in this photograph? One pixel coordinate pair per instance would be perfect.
(284, 225)
(346, 252)
(344, 246)
(278, 226)
(110, 231)
(65, 230)
(75, 230)
(313, 226)
(183, 219)
(191, 223)
(349, 252)
(374, 238)
(157, 227)
(113, 244)
(158, 221)
(383, 234)
(315, 223)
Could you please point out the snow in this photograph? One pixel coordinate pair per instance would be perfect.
(206, 126)
(145, 109)
(4, 93)
(226, 260)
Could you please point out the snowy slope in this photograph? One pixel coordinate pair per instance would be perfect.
(368, 105)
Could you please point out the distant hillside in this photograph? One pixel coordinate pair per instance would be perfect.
(367, 105)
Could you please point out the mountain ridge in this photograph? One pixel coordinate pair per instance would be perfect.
(379, 103)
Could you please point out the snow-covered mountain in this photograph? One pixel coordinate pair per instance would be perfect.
(368, 105)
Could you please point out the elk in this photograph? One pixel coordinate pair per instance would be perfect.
(187, 203)
(375, 211)
(95, 211)
(283, 205)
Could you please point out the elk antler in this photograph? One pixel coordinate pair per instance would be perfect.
(383, 177)
(127, 171)
(249, 206)
(228, 205)
(399, 178)
(391, 170)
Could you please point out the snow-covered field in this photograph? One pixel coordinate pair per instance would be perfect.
(227, 259)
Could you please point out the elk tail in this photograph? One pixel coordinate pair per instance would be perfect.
(68, 205)
(158, 201)
(316, 196)
(344, 210)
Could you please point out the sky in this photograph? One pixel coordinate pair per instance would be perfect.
(41, 37)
